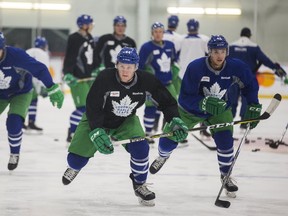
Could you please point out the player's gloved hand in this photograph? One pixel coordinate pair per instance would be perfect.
(179, 128)
(279, 71)
(212, 105)
(101, 141)
(96, 71)
(286, 80)
(56, 95)
(70, 79)
(253, 111)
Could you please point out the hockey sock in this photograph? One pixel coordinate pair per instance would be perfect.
(32, 110)
(75, 118)
(224, 143)
(149, 118)
(166, 146)
(76, 162)
(14, 126)
(139, 161)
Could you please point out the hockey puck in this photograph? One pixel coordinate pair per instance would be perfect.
(255, 150)
(259, 138)
(253, 141)
(56, 140)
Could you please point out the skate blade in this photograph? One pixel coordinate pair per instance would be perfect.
(32, 132)
(149, 203)
(230, 194)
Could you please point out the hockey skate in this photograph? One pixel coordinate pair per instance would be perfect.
(69, 175)
(157, 164)
(31, 128)
(145, 196)
(230, 186)
(13, 161)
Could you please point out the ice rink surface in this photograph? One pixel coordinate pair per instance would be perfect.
(187, 185)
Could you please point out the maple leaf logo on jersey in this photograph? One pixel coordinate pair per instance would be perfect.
(4, 81)
(124, 108)
(89, 53)
(114, 53)
(165, 63)
(215, 91)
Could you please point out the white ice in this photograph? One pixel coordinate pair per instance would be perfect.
(187, 185)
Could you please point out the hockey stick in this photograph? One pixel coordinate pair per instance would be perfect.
(275, 144)
(212, 148)
(225, 203)
(272, 106)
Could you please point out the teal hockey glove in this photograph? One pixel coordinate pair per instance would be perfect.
(70, 80)
(95, 72)
(212, 105)
(253, 111)
(101, 141)
(56, 96)
(179, 128)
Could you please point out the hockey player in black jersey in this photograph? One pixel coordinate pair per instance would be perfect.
(78, 68)
(109, 45)
(111, 105)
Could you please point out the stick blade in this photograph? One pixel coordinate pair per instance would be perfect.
(222, 203)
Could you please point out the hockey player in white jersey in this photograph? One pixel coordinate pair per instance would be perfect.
(40, 53)
(193, 46)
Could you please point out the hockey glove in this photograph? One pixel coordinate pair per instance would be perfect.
(179, 128)
(212, 105)
(56, 96)
(70, 80)
(253, 111)
(101, 141)
(279, 71)
(286, 80)
(95, 72)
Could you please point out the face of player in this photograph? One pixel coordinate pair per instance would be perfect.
(88, 27)
(157, 35)
(1, 53)
(126, 71)
(119, 29)
(217, 58)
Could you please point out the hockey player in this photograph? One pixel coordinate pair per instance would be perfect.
(109, 45)
(16, 71)
(78, 69)
(119, 92)
(157, 57)
(249, 52)
(203, 98)
(193, 46)
(40, 53)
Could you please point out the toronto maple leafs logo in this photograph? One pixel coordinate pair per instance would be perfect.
(89, 53)
(4, 81)
(114, 53)
(124, 108)
(164, 63)
(215, 91)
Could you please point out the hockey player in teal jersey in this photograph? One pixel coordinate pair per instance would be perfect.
(16, 71)
(112, 103)
(203, 98)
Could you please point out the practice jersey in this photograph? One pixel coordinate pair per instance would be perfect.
(249, 52)
(192, 46)
(79, 57)
(174, 37)
(16, 71)
(110, 102)
(108, 47)
(158, 60)
(201, 80)
(40, 55)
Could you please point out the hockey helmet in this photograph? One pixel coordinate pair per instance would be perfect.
(2, 41)
(157, 25)
(84, 19)
(40, 42)
(128, 55)
(192, 25)
(119, 19)
(173, 21)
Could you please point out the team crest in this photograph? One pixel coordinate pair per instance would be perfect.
(124, 108)
(164, 63)
(215, 91)
(4, 81)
